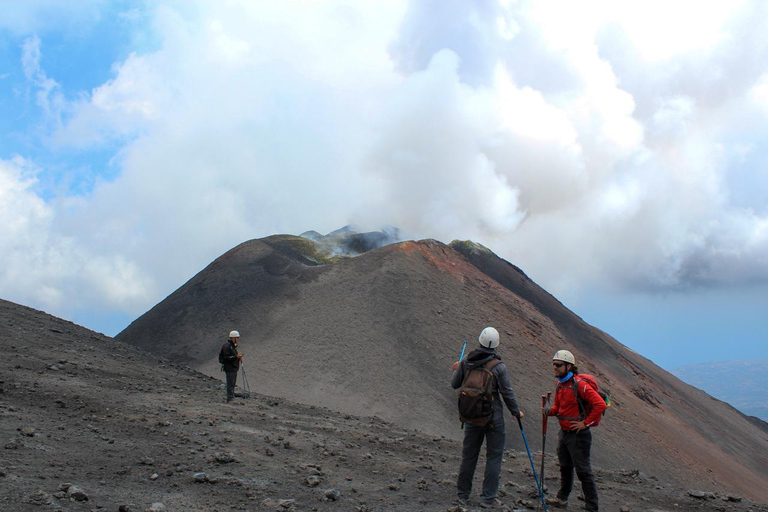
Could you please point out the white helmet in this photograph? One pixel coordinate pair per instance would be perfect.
(234, 334)
(565, 356)
(489, 338)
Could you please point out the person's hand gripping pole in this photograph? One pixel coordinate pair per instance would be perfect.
(458, 362)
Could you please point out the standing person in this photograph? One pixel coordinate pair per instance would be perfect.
(230, 362)
(485, 356)
(577, 407)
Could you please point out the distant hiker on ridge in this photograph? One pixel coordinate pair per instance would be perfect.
(578, 407)
(482, 377)
(230, 362)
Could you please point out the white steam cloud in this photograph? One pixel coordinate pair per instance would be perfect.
(588, 143)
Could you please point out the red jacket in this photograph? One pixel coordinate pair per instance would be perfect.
(566, 408)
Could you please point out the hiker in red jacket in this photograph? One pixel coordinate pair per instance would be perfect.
(577, 407)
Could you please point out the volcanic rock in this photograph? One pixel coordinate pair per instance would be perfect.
(76, 493)
(332, 494)
(702, 495)
(224, 457)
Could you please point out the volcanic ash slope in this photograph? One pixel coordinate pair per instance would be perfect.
(376, 335)
(88, 423)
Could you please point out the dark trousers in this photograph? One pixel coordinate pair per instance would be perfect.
(573, 450)
(494, 436)
(231, 381)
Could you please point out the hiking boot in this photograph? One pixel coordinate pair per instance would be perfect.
(462, 502)
(557, 502)
(494, 503)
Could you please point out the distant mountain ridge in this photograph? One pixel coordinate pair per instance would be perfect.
(376, 334)
(740, 383)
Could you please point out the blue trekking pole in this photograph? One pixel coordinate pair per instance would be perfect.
(460, 358)
(541, 494)
(462, 350)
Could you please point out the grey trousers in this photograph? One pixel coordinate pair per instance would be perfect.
(494, 436)
(231, 382)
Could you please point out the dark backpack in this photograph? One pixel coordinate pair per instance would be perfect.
(476, 395)
(585, 407)
(221, 354)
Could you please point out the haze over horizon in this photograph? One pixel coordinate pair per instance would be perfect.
(609, 149)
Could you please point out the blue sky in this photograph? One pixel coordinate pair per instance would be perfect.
(613, 151)
(676, 329)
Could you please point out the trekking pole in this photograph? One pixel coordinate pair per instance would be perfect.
(463, 348)
(541, 494)
(246, 387)
(544, 422)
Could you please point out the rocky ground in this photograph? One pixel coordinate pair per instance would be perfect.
(91, 424)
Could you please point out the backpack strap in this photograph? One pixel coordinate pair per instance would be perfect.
(487, 366)
(490, 365)
(579, 400)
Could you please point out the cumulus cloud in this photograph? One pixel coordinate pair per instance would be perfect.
(51, 265)
(117, 110)
(647, 184)
(574, 145)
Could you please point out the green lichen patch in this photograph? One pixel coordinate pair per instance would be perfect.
(468, 247)
(313, 251)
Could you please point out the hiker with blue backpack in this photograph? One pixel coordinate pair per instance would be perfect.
(578, 407)
(481, 378)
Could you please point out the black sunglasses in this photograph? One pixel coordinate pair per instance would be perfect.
(558, 365)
